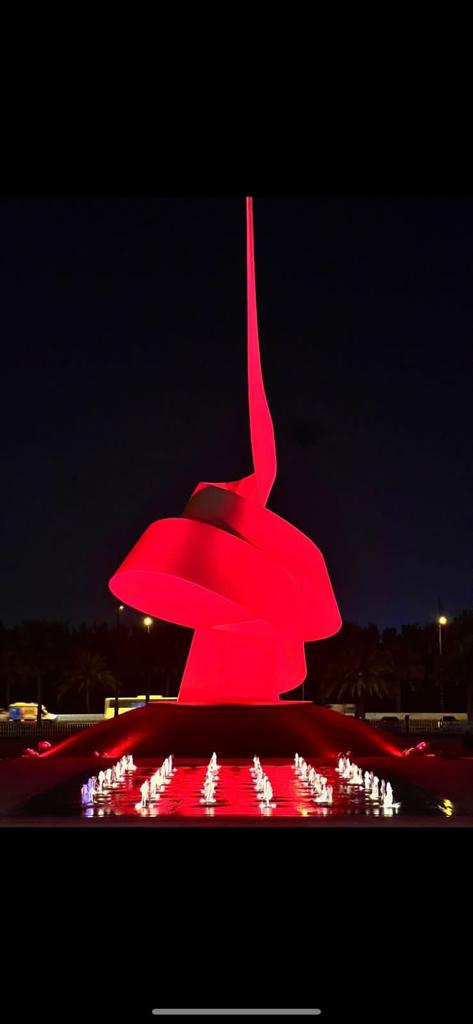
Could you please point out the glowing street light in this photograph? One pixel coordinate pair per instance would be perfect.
(120, 608)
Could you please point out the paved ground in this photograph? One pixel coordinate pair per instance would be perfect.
(409, 821)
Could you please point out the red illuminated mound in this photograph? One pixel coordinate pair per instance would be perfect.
(188, 730)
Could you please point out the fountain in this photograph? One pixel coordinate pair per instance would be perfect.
(316, 784)
(266, 799)
(304, 772)
(127, 763)
(145, 794)
(263, 788)
(85, 796)
(356, 776)
(91, 792)
(153, 787)
(168, 769)
(388, 803)
(326, 794)
(210, 782)
(260, 781)
(374, 795)
(209, 794)
(302, 769)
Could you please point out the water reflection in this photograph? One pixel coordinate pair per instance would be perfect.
(237, 797)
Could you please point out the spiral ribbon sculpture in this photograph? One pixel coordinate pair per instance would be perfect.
(252, 586)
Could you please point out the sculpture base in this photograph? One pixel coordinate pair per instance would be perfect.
(232, 730)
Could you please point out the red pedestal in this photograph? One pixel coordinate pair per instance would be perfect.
(233, 731)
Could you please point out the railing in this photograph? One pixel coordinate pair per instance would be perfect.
(31, 730)
(432, 726)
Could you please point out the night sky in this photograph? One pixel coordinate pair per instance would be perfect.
(123, 386)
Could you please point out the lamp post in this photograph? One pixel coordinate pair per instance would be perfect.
(441, 622)
(147, 623)
(120, 608)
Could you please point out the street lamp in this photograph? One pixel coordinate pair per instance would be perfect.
(120, 608)
(441, 622)
(147, 623)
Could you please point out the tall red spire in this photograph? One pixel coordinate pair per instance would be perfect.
(261, 425)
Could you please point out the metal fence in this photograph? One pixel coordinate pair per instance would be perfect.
(434, 726)
(30, 730)
(430, 726)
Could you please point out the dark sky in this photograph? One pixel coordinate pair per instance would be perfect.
(123, 385)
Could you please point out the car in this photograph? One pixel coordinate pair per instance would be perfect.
(343, 709)
(446, 721)
(388, 722)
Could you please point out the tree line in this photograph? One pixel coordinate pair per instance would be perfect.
(73, 668)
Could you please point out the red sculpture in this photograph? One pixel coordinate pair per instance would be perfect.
(251, 585)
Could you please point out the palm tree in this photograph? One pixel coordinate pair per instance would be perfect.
(360, 670)
(407, 665)
(89, 673)
(40, 648)
(459, 658)
(11, 666)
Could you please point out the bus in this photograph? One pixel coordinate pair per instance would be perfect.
(130, 703)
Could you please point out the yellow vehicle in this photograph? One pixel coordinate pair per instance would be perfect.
(130, 703)
(23, 711)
